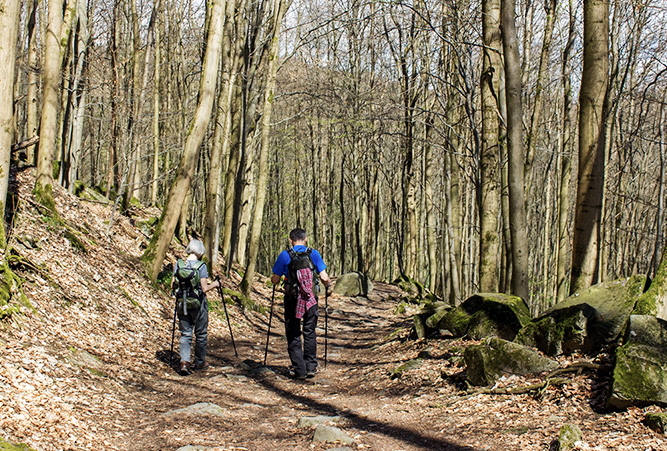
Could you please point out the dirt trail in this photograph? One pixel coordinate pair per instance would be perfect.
(261, 409)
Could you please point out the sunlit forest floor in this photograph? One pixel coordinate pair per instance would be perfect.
(86, 366)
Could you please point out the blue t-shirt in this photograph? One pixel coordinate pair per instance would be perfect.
(280, 266)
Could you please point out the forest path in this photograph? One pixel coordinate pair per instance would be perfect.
(261, 409)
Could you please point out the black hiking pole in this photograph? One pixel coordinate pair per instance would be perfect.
(268, 334)
(231, 335)
(326, 325)
(173, 333)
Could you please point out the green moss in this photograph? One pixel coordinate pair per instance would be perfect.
(76, 243)
(132, 301)
(8, 446)
(407, 366)
(637, 373)
(656, 421)
(44, 195)
(456, 321)
(97, 373)
(56, 167)
(568, 435)
(12, 297)
(79, 188)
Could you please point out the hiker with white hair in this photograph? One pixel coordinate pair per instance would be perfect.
(191, 282)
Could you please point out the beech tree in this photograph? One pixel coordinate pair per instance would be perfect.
(591, 145)
(155, 252)
(517, 219)
(9, 14)
(59, 25)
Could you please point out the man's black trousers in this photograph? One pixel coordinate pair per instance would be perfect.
(302, 353)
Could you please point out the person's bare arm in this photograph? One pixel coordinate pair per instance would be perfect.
(207, 285)
(326, 280)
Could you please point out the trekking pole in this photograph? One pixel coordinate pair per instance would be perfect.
(229, 324)
(173, 333)
(266, 348)
(326, 325)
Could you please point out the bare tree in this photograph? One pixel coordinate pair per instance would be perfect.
(9, 14)
(518, 226)
(592, 118)
(279, 8)
(489, 160)
(56, 43)
(157, 248)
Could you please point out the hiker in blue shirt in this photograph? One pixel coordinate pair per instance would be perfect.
(300, 265)
(194, 317)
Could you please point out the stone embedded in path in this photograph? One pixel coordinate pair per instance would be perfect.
(201, 408)
(344, 448)
(331, 435)
(309, 422)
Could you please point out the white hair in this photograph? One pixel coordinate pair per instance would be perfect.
(196, 247)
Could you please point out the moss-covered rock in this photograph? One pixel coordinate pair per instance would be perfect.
(587, 321)
(656, 421)
(640, 371)
(568, 436)
(409, 285)
(487, 314)
(433, 320)
(494, 357)
(353, 284)
(654, 300)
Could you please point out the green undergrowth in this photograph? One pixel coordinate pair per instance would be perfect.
(9, 446)
(12, 297)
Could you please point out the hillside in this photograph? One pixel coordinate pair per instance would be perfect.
(83, 365)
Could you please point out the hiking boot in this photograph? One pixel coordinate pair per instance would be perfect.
(296, 377)
(201, 366)
(311, 374)
(185, 369)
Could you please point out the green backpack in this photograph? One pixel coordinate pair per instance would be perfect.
(189, 292)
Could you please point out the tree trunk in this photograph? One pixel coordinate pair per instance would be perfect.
(550, 7)
(518, 227)
(9, 14)
(57, 32)
(279, 9)
(489, 259)
(164, 231)
(156, 108)
(32, 126)
(565, 167)
(591, 145)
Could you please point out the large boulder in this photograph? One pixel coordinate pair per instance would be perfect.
(640, 371)
(353, 284)
(487, 314)
(654, 300)
(587, 321)
(495, 356)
